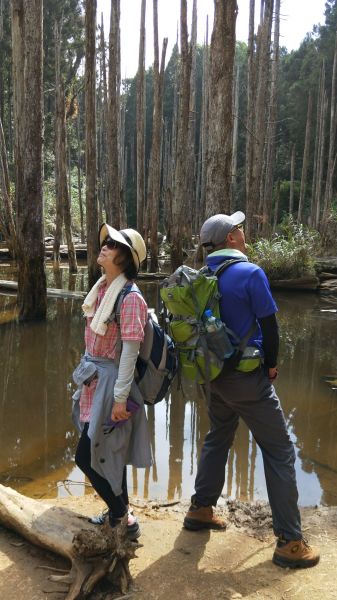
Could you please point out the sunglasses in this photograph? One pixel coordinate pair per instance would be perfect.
(110, 243)
(237, 227)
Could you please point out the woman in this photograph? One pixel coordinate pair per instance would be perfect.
(111, 410)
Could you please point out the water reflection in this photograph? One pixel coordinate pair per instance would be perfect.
(37, 441)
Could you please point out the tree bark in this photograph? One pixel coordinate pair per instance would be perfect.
(332, 139)
(180, 184)
(114, 200)
(235, 139)
(219, 162)
(271, 130)
(256, 133)
(90, 141)
(190, 205)
(292, 180)
(63, 211)
(28, 101)
(306, 154)
(7, 223)
(155, 158)
(94, 552)
(141, 123)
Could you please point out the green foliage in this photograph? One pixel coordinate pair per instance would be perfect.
(289, 253)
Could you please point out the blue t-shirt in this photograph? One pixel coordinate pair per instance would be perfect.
(245, 295)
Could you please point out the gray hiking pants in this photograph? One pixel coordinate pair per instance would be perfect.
(251, 397)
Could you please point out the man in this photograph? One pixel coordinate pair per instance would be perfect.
(245, 298)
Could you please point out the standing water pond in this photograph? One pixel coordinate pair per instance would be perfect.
(38, 441)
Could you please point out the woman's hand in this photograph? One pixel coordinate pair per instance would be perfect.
(119, 411)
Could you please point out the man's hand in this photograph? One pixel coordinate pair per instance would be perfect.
(119, 412)
(272, 373)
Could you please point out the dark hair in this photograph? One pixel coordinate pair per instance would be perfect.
(124, 259)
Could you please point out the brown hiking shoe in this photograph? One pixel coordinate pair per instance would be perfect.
(202, 517)
(295, 554)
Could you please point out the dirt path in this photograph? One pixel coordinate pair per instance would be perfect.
(175, 564)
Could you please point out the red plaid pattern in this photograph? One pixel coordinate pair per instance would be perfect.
(132, 322)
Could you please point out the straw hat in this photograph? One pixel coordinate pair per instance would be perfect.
(127, 237)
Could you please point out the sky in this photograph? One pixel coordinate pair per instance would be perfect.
(297, 18)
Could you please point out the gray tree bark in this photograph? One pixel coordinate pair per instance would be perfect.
(180, 190)
(27, 59)
(306, 154)
(90, 141)
(219, 162)
(140, 143)
(114, 200)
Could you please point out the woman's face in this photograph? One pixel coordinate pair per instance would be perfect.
(109, 251)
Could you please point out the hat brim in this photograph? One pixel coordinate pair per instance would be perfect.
(106, 230)
(238, 217)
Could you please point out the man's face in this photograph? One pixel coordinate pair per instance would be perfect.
(236, 238)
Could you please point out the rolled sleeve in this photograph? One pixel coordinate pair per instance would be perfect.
(133, 317)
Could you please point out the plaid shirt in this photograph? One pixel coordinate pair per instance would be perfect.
(132, 322)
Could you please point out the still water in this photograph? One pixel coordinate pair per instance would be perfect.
(37, 440)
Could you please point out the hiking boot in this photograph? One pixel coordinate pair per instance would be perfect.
(295, 554)
(202, 517)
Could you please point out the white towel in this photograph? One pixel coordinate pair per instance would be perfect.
(99, 323)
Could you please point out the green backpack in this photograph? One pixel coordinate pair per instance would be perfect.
(186, 295)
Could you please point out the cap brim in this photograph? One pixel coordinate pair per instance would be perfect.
(106, 230)
(238, 217)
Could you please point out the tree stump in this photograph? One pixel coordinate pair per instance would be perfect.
(94, 551)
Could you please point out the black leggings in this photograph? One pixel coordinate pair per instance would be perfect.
(117, 504)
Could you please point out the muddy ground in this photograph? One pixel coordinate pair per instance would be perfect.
(174, 564)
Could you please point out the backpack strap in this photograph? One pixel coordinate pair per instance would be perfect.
(244, 341)
(116, 314)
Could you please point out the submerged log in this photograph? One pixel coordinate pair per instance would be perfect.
(308, 283)
(94, 552)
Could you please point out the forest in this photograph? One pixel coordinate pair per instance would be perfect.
(212, 128)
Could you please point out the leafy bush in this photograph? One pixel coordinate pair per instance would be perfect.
(288, 254)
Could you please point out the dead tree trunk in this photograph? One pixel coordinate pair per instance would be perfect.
(7, 224)
(292, 180)
(256, 133)
(332, 144)
(219, 163)
(191, 168)
(204, 128)
(266, 200)
(63, 212)
(28, 102)
(90, 141)
(141, 123)
(235, 139)
(306, 154)
(113, 204)
(94, 552)
(180, 184)
(79, 178)
(155, 158)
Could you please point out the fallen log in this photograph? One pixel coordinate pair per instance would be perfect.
(94, 552)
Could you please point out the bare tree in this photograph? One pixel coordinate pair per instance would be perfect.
(266, 197)
(306, 154)
(332, 143)
(258, 78)
(7, 223)
(180, 191)
(155, 158)
(114, 200)
(219, 162)
(63, 213)
(90, 140)
(292, 180)
(141, 122)
(28, 102)
(190, 204)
